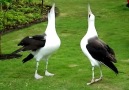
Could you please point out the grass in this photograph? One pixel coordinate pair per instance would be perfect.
(71, 68)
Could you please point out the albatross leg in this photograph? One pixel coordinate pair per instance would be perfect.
(46, 72)
(101, 75)
(37, 76)
(93, 77)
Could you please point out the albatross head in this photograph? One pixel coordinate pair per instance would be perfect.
(91, 16)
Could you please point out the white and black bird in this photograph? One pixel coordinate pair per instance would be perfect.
(97, 51)
(42, 46)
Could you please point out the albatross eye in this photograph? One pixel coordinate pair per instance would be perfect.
(89, 15)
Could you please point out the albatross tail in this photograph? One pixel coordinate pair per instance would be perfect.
(111, 66)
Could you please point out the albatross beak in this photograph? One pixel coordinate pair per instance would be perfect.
(89, 10)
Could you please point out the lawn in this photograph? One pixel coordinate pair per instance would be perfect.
(71, 67)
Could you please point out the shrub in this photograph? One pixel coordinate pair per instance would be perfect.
(20, 14)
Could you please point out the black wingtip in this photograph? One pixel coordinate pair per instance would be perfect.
(111, 66)
(23, 61)
(115, 69)
(117, 72)
(29, 57)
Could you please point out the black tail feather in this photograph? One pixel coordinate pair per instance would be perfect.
(111, 66)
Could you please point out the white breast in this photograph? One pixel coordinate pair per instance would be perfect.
(83, 44)
(51, 45)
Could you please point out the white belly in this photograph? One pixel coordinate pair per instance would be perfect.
(51, 46)
(86, 52)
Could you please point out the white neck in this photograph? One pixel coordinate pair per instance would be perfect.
(51, 22)
(91, 30)
(51, 26)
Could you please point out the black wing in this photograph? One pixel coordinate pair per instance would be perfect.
(32, 43)
(109, 50)
(39, 37)
(101, 52)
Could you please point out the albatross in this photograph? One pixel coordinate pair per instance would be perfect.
(97, 51)
(41, 46)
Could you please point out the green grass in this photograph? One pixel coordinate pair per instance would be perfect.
(71, 67)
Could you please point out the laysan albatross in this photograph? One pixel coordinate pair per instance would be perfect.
(97, 51)
(41, 46)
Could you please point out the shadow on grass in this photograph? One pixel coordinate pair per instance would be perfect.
(9, 56)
